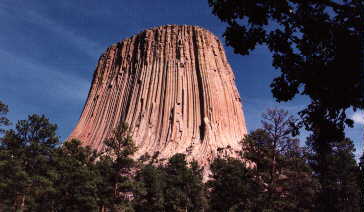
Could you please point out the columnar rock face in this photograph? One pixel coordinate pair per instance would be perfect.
(175, 89)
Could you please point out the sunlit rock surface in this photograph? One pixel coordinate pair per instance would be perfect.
(176, 90)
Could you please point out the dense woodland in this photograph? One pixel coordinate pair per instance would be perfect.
(39, 173)
(317, 47)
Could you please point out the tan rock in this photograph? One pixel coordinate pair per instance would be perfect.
(174, 87)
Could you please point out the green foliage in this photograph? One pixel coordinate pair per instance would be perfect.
(280, 164)
(340, 190)
(299, 184)
(3, 120)
(184, 190)
(312, 43)
(176, 186)
(116, 168)
(151, 196)
(121, 144)
(76, 178)
(234, 187)
(316, 47)
(26, 155)
(39, 174)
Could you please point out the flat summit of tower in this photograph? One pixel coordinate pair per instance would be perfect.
(174, 28)
(175, 89)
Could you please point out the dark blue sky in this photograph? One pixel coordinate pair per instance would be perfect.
(49, 50)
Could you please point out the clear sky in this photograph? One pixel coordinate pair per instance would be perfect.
(49, 50)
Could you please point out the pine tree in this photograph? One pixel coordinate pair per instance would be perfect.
(280, 164)
(3, 120)
(299, 185)
(117, 168)
(318, 48)
(176, 186)
(340, 190)
(76, 178)
(234, 187)
(184, 190)
(26, 154)
(150, 197)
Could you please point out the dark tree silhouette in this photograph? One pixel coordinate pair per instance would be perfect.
(340, 189)
(25, 158)
(76, 179)
(234, 187)
(175, 186)
(316, 46)
(3, 120)
(361, 181)
(116, 167)
(280, 164)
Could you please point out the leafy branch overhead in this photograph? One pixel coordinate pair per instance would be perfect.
(315, 45)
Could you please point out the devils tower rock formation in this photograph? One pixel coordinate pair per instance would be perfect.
(174, 87)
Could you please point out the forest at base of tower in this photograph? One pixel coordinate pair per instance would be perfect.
(39, 174)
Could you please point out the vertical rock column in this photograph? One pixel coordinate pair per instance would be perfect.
(174, 88)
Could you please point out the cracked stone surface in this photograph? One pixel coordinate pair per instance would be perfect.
(175, 89)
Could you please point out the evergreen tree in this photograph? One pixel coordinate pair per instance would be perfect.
(176, 186)
(184, 190)
(298, 184)
(76, 178)
(151, 195)
(316, 46)
(273, 174)
(280, 164)
(117, 169)
(234, 187)
(25, 157)
(3, 120)
(340, 190)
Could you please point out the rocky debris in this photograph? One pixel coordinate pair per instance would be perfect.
(176, 90)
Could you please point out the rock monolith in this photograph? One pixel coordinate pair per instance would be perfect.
(175, 89)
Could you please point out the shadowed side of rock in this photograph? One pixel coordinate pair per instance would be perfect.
(174, 87)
